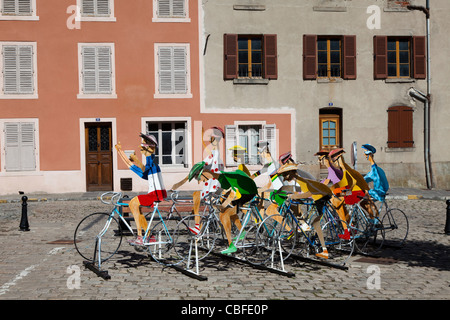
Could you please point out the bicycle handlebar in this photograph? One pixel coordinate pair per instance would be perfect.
(115, 197)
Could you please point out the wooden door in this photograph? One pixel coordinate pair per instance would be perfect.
(98, 141)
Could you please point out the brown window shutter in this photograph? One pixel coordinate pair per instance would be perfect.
(400, 127)
(419, 59)
(406, 130)
(350, 57)
(309, 57)
(380, 57)
(230, 56)
(270, 56)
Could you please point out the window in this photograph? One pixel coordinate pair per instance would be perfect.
(96, 10)
(247, 135)
(96, 66)
(173, 71)
(171, 11)
(18, 10)
(400, 127)
(329, 57)
(19, 146)
(18, 68)
(250, 56)
(399, 57)
(398, 62)
(329, 126)
(171, 137)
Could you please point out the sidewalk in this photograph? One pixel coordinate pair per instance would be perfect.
(394, 193)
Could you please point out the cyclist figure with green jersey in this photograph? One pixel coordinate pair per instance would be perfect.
(238, 187)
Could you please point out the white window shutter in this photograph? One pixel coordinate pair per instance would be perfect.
(88, 7)
(103, 7)
(178, 9)
(25, 69)
(24, 7)
(230, 141)
(97, 70)
(163, 8)
(10, 67)
(9, 7)
(179, 70)
(270, 135)
(27, 147)
(165, 69)
(89, 70)
(12, 147)
(172, 70)
(20, 146)
(104, 70)
(18, 74)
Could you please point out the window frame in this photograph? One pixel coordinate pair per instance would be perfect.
(187, 142)
(28, 17)
(333, 118)
(157, 18)
(160, 95)
(329, 63)
(250, 51)
(34, 94)
(232, 138)
(397, 57)
(97, 95)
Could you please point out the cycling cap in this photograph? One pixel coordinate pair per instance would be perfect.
(196, 171)
(369, 149)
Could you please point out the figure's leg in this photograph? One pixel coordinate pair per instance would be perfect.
(225, 219)
(196, 198)
(135, 208)
(339, 205)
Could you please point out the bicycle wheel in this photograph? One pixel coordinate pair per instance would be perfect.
(186, 242)
(160, 242)
(339, 246)
(367, 234)
(275, 239)
(396, 227)
(96, 226)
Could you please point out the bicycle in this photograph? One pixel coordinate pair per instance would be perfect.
(187, 242)
(395, 224)
(99, 235)
(307, 240)
(367, 232)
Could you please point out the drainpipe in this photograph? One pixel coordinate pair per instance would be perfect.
(426, 99)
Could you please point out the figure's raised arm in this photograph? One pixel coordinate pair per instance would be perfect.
(122, 155)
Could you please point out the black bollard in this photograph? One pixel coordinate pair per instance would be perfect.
(24, 219)
(447, 222)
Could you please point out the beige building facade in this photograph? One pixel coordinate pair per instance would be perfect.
(350, 72)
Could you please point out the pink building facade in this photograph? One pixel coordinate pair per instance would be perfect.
(79, 76)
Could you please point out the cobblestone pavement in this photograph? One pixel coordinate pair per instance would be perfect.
(40, 264)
